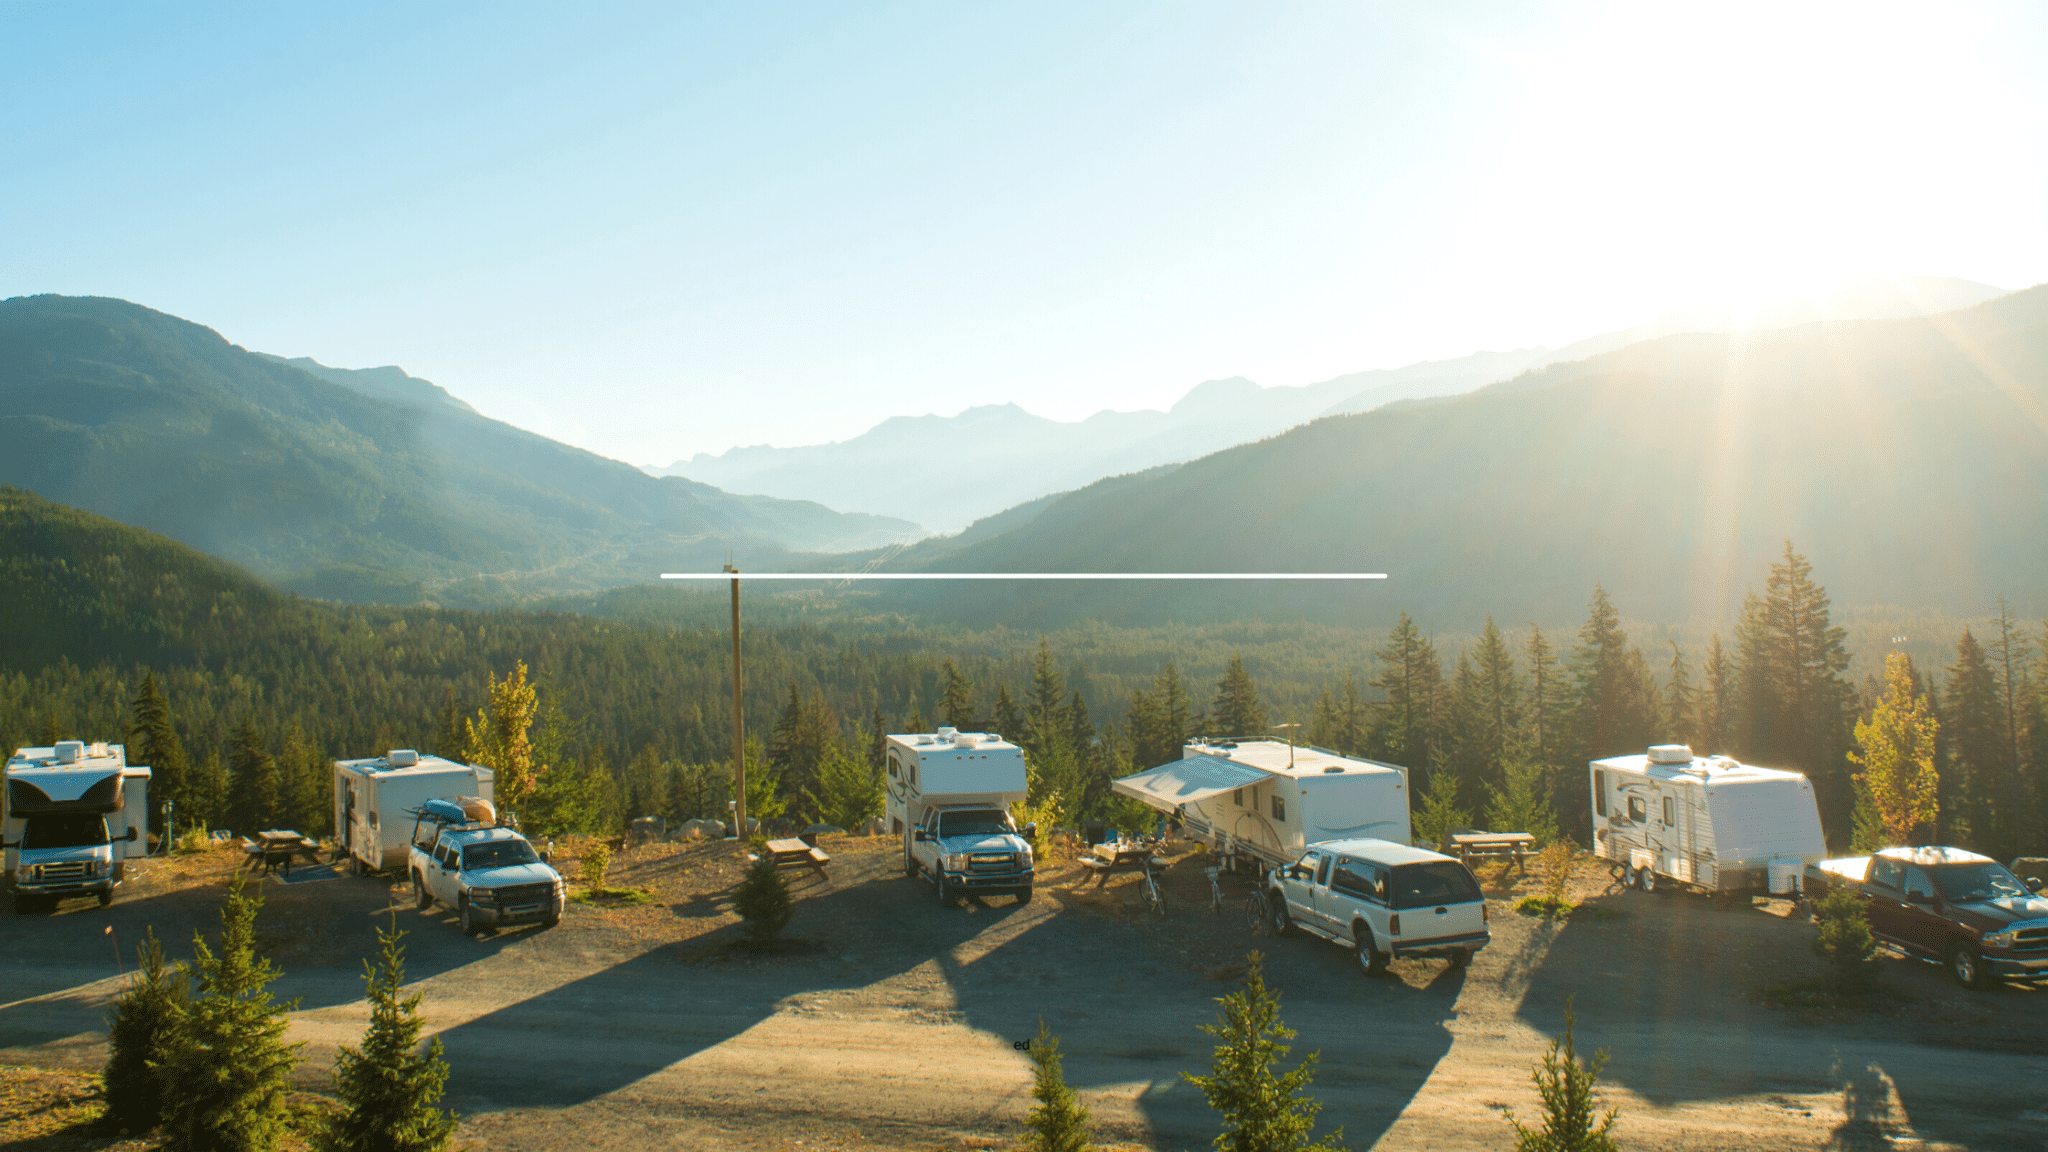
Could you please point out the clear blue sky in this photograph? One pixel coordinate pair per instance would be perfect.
(659, 229)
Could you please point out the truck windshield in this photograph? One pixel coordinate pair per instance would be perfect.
(974, 822)
(70, 830)
(1436, 882)
(1978, 882)
(498, 854)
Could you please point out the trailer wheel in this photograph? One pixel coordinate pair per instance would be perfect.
(1646, 879)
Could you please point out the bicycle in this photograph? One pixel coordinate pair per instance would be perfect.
(1155, 897)
(1215, 890)
(1258, 918)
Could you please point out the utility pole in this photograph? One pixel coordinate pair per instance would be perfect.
(739, 730)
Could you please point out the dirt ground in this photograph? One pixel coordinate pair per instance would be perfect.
(890, 1024)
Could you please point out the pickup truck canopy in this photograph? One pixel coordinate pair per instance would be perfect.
(1185, 781)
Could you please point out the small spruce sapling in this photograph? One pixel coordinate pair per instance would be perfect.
(763, 902)
(1572, 1120)
(597, 860)
(390, 1089)
(1058, 1123)
(144, 1018)
(1261, 1111)
(227, 1068)
(1844, 940)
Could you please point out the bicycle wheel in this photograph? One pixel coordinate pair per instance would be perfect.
(1257, 918)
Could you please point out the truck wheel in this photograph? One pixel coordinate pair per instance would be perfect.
(469, 925)
(1371, 960)
(421, 898)
(1966, 966)
(106, 898)
(945, 896)
(1283, 924)
(1024, 894)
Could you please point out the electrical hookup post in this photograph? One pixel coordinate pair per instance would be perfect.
(739, 731)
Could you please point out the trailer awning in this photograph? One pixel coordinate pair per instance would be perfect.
(1186, 781)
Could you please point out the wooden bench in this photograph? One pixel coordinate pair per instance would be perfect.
(1468, 845)
(795, 854)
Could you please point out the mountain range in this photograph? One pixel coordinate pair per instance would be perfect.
(945, 472)
(1908, 458)
(367, 484)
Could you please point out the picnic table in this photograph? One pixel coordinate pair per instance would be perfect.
(794, 853)
(1117, 856)
(274, 849)
(1467, 845)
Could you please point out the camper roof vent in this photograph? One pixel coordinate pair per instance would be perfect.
(402, 758)
(1333, 768)
(1670, 754)
(70, 751)
(965, 739)
(946, 734)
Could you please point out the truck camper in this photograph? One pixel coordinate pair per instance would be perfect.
(1668, 817)
(948, 795)
(71, 817)
(374, 802)
(1267, 800)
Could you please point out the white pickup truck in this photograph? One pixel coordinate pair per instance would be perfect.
(490, 876)
(1381, 900)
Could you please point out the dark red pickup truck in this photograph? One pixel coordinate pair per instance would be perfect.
(1950, 906)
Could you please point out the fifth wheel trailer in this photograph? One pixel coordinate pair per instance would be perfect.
(1669, 817)
(1269, 800)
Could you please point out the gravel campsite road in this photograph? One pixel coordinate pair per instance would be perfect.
(893, 1028)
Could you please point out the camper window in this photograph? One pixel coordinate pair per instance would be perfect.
(1237, 795)
(892, 765)
(1636, 811)
(1600, 793)
(1279, 807)
(1669, 819)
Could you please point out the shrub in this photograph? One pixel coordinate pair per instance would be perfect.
(1844, 941)
(226, 1068)
(148, 1014)
(1554, 866)
(762, 900)
(191, 840)
(1572, 1121)
(1261, 1112)
(1059, 1123)
(597, 860)
(389, 1089)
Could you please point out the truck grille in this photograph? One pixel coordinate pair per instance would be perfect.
(524, 894)
(991, 862)
(64, 870)
(2031, 937)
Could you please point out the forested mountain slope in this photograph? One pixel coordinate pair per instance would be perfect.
(371, 489)
(1908, 458)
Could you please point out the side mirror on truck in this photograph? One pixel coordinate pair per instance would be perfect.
(1031, 830)
(921, 834)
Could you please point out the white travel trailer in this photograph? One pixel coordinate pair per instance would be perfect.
(1706, 822)
(1269, 800)
(373, 800)
(71, 816)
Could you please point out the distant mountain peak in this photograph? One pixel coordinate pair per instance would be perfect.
(389, 382)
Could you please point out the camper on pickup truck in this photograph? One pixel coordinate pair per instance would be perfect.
(1381, 900)
(1947, 906)
(949, 795)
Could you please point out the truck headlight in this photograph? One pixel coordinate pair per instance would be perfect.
(96, 868)
(954, 862)
(483, 896)
(1998, 939)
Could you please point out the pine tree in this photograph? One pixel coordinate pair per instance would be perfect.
(1261, 1111)
(1572, 1121)
(499, 738)
(1147, 724)
(390, 1090)
(1523, 801)
(797, 743)
(1716, 700)
(2008, 654)
(956, 698)
(1547, 700)
(254, 774)
(159, 746)
(1008, 723)
(1497, 702)
(1681, 704)
(1045, 726)
(1439, 811)
(1794, 708)
(1404, 724)
(449, 741)
(763, 902)
(1237, 711)
(1973, 720)
(226, 1070)
(1058, 1123)
(142, 1020)
(847, 793)
(1897, 754)
(302, 800)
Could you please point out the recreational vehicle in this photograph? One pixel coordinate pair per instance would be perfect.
(949, 795)
(1732, 829)
(71, 817)
(1268, 800)
(374, 801)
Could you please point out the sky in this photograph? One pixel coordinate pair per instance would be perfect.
(656, 230)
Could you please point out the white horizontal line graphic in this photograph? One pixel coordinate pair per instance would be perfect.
(1024, 575)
